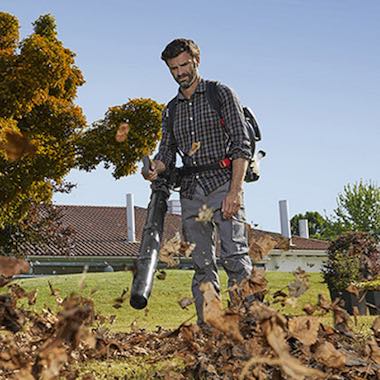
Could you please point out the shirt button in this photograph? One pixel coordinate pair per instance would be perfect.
(192, 132)
(194, 162)
(191, 118)
(190, 104)
(197, 176)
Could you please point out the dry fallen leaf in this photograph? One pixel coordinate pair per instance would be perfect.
(309, 309)
(86, 337)
(261, 247)
(49, 363)
(161, 275)
(305, 329)
(112, 319)
(187, 248)
(118, 302)
(170, 250)
(185, 302)
(32, 296)
(83, 278)
(300, 285)
(323, 303)
(17, 291)
(279, 346)
(328, 355)
(254, 285)
(15, 145)
(374, 350)
(4, 281)
(134, 326)
(291, 366)
(122, 132)
(11, 266)
(213, 314)
(53, 292)
(376, 327)
(194, 148)
(23, 374)
(205, 214)
(341, 319)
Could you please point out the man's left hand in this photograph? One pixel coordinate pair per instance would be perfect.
(231, 204)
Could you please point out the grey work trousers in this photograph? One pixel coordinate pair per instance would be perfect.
(234, 247)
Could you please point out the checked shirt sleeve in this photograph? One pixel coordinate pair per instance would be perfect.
(165, 153)
(235, 124)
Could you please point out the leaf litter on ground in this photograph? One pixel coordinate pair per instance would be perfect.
(247, 340)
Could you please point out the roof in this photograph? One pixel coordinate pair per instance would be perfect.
(296, 243)
(102, 231)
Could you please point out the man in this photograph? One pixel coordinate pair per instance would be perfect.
(198, 134)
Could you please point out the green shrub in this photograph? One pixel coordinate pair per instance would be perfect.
(352, 257)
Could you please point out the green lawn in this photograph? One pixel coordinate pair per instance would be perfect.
(163, 308)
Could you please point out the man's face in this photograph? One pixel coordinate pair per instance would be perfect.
(184, 69)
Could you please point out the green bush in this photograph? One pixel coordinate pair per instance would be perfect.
(352, 257)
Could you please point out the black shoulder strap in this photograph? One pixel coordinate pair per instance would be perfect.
(171, 111)
(213, 96)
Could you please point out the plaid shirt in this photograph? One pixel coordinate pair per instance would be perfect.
(196, 121)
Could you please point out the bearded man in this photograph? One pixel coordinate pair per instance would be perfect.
(196, 132)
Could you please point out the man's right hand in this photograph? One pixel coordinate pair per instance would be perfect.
(150, 172)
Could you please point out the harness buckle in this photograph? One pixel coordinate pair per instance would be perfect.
(225, 163)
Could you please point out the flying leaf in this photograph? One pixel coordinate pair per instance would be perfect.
(118, 302)
(300, 285)
(213, 314)
(185, 302)
(205, 214)
(170, 250)
(122, 132)
(187, 248)
(11, 266)
(15, 145)
(194, 148)
(261, 246)
(161, 275)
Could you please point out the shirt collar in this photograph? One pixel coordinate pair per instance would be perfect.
(200, 88)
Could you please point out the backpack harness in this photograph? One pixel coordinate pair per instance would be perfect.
(213, 97)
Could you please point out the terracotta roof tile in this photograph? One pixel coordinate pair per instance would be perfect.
(102, 231)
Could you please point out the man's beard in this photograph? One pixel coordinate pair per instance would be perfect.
(191, 77)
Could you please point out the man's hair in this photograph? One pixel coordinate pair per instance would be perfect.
(178, 46)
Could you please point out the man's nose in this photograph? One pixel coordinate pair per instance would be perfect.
(180, 71)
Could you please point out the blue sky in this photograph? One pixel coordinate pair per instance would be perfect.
(309, 69)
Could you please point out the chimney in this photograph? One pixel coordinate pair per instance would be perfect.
(131, 218)
(303, 228)
(174, 207)
(284, 219)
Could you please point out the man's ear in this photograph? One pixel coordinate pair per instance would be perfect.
(197, 61)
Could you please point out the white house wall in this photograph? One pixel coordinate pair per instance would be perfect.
(288, 261)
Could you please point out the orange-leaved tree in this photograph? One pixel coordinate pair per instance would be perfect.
(39, 122)
(43, 132)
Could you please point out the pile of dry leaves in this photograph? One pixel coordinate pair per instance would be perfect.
(248, 340)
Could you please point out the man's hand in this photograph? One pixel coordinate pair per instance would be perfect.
(234, 198)
(231, 204)
(156, 167)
